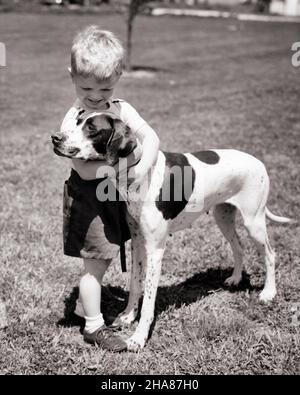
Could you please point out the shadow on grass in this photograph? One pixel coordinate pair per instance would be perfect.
(114, 299)
(197, 287)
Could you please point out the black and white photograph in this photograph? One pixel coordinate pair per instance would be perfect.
(149, 190)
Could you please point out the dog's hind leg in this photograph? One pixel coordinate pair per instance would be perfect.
(257, 230)
(252, 205)
(225, 218)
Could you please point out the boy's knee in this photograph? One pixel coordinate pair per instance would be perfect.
(96, 267)
(96, 262)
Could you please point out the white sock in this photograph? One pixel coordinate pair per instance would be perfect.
(93, 323)
(79, 309)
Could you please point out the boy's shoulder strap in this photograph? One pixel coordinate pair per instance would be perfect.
(116, 100)
(115, 106)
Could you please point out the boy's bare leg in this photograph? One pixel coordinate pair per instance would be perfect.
(90, 292)
(95, 330)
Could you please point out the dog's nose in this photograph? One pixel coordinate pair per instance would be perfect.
(57, 138)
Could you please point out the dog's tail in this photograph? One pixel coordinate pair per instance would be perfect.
(277, 218)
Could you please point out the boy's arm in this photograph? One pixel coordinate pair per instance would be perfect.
(92, 169)
(150, 147)
(69, 121)
(146, 151)
(99, 169)
(146, 136)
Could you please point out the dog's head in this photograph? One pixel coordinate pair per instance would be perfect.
(99, 137)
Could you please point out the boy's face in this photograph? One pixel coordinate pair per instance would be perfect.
(92, 93)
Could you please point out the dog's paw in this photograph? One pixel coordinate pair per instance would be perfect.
(135, 343)
(266, 296)
(233, 280)
(124, 319)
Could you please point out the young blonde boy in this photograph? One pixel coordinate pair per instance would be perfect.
(94, 230)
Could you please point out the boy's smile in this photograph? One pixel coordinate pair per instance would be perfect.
(92, 93)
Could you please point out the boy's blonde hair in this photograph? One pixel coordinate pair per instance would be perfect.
(96, 52)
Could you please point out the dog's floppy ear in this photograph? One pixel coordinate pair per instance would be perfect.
(121, 143)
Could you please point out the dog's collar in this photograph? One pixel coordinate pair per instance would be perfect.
(111, 137)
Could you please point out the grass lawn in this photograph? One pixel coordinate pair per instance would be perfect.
(218, 84)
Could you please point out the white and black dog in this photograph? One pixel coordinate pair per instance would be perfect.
(222, 180)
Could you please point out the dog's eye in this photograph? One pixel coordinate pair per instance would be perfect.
(92, 131)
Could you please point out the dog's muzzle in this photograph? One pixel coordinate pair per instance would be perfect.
(58, 140)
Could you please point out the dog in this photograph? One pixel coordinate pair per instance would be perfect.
(219, 179)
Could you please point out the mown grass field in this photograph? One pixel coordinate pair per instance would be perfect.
(218, 84)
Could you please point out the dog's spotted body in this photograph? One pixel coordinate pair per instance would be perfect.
(178, 189)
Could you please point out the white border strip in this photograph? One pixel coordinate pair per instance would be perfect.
(186, 12)
(223, 14)
(2, 54)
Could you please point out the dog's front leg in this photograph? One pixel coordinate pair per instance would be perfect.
(154, 256)
(138, 258)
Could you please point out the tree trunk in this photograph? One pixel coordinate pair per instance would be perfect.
(129, 39)
(133, 10)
